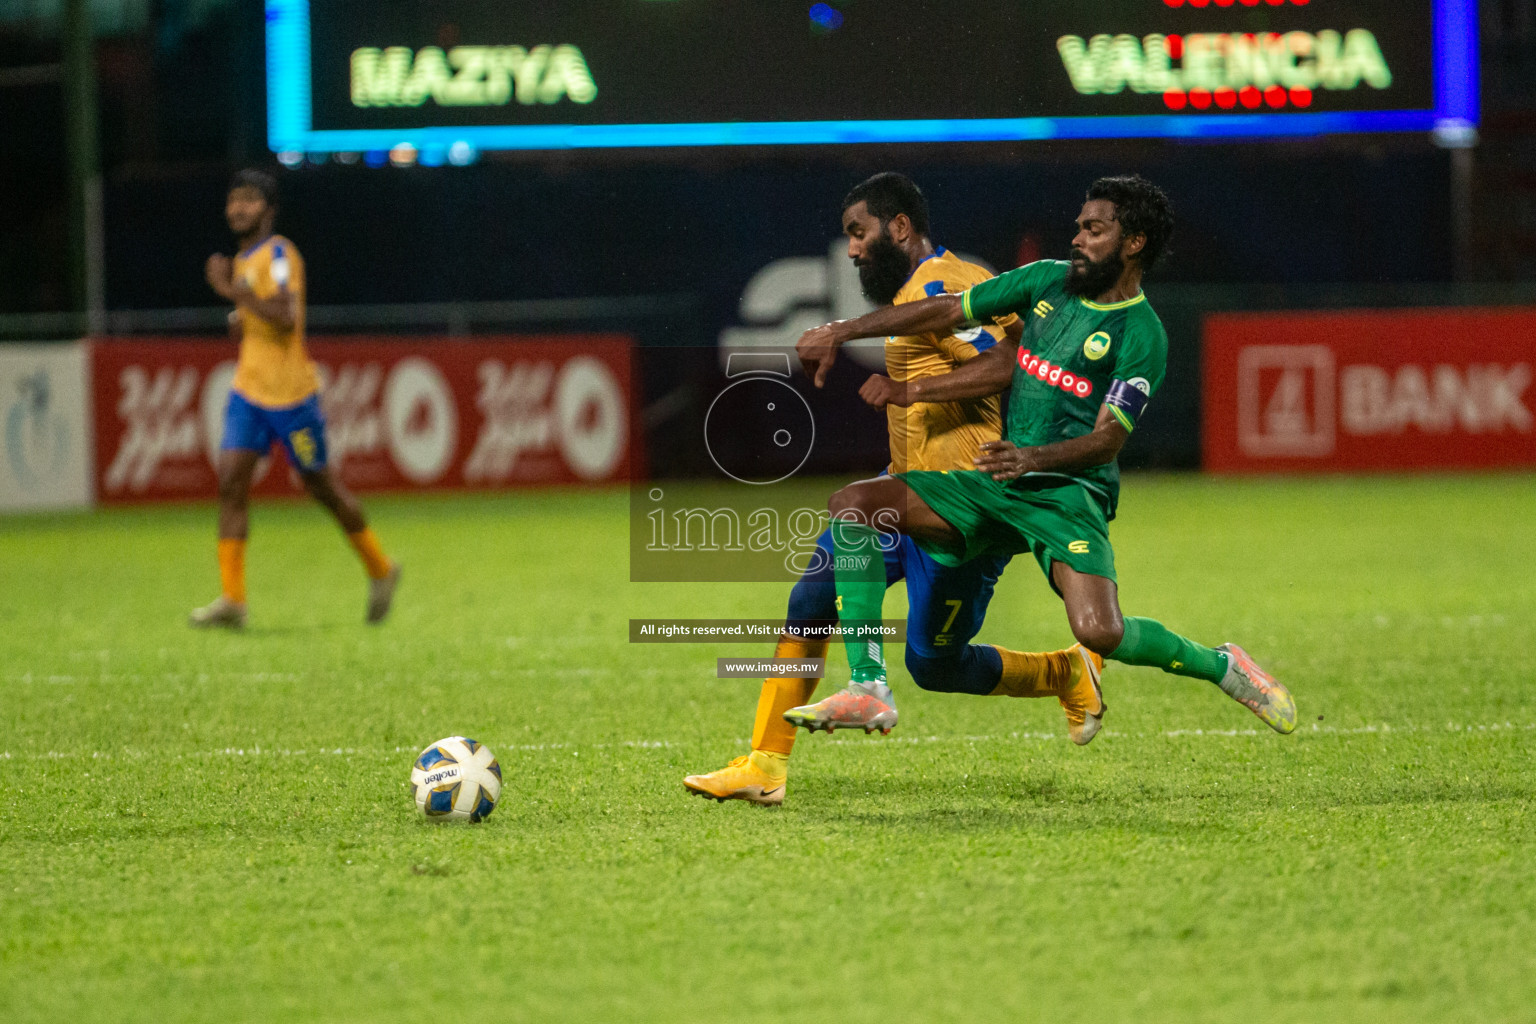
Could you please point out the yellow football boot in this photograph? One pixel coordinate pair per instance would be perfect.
(759, 777)
(1084, 701)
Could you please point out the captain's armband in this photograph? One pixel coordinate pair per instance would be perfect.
(1127, 399)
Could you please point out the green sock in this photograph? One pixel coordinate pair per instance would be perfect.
(859, 565)
(1149, 642)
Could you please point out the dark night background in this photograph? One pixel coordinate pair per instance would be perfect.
(1261, 224)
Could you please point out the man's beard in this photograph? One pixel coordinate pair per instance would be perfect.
(883, 270)
(1094, 278)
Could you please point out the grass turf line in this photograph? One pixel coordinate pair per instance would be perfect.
(200, 826)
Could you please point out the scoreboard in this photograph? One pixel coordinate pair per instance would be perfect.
(356, 75)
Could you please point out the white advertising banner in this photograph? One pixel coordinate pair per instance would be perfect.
(45, 427)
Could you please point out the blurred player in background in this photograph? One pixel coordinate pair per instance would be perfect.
(1091, 356)
(275, 397)
(886, 221)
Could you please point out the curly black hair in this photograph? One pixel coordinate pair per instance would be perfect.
(1142, 209)
(887, 194)
(261, 181)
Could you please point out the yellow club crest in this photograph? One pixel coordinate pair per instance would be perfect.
(1096, 345)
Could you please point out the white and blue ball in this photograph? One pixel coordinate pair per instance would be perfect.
(456, 779)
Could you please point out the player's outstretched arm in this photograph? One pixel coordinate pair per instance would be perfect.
(988, 374)
(818, 346)
(1005, 460)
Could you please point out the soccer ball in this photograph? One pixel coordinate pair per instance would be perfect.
(456, 779)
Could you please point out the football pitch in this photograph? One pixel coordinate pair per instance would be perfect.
(217, 827)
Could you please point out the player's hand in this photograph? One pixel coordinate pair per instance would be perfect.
(817, 349)
(220, 273)
(881, 391)
(236, 333)
(1003, 460)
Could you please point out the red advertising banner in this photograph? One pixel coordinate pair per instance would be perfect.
(424, 413)
(1369, 390)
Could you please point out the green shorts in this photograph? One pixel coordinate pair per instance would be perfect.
(1053, 519)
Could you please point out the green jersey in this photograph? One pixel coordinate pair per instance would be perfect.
(1074, 357)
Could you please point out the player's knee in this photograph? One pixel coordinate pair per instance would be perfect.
(813, 600)
(855, 501)
(932, 673)
(1098, 634)
(319, 487)
(234, 487)
(843, 502)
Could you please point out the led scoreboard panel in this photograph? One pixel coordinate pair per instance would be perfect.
(508, 74)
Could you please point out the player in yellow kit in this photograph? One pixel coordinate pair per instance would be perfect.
(886, 221)
(275, 397)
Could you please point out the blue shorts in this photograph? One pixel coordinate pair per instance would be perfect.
(301, 429)
(946, 604)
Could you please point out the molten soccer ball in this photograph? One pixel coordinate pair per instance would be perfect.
(456, 779)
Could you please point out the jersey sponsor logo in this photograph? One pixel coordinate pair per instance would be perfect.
(1096, 345)
(1042, 308)
(1048, 373)
(1078, 547)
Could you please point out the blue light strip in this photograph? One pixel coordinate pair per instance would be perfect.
(289, 126)
(288, 109)
(1456, 63)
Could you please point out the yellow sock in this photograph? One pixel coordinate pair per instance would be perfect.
(1030, 674)
(232, 568)
(371, 553)
(770, 732)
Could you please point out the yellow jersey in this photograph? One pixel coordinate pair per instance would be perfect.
(274, 369)
(941, 435)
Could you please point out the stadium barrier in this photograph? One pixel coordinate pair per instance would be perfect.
(418, 414)
(141, 420)
(1406, 389)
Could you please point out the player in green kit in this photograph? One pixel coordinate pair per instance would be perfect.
(1092, 354)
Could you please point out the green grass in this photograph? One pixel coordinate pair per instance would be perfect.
(210, 827)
